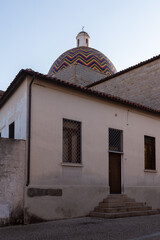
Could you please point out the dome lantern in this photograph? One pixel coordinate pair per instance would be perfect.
(83, 39)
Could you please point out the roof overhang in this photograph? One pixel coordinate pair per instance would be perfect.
(28, 72)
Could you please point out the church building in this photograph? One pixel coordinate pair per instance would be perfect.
(80, 135)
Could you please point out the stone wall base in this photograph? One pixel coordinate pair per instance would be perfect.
(150, 195)
(75, 201)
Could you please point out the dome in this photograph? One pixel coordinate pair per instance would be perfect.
(86, 56)
(83, 33)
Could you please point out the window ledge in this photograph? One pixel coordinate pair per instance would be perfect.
(150, 171)
(65, 164)
(115, 152)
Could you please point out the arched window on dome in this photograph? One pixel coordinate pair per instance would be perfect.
(78, 43)
(87, 41)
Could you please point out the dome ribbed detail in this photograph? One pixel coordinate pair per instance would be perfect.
(86, 56)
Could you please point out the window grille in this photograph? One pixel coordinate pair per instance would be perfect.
(115, 140)
(71, 141)
(149, 153)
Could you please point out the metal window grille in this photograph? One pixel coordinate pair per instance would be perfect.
(115, 140)
(150, 162)
(71, 141)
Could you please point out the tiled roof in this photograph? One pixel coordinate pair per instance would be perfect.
(1, 93)
(23, 73)
(125, 71)
(86, 56)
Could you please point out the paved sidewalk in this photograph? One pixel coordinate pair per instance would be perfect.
(134, 228)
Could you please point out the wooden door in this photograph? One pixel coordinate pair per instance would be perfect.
(115, 173)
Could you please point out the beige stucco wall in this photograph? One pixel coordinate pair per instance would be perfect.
(84, 186)
(15, 110)
(140, 85)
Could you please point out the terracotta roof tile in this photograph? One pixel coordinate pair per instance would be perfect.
(23, 73)
(1, 93)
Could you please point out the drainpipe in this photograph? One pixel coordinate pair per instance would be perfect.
(29, 132)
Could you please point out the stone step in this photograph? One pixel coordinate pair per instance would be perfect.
(118, 200)
(117, 196)
(120, 204)
(122, 209)
(124, 214)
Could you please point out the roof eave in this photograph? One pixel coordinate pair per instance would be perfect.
(23, 73)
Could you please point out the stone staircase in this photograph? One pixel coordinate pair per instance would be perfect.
(119, 206)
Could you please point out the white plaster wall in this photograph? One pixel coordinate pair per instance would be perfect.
(47, 124)
(49, 107)
(82, 40)
(15, 110)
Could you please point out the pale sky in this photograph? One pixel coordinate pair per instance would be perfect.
(34, 33)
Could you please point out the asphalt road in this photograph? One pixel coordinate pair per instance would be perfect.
(134, 228)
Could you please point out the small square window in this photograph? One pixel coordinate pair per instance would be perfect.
(71, 141)
(11, 130)
(149, 153)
